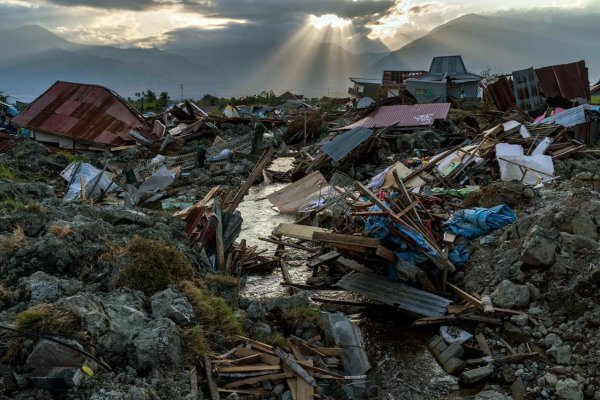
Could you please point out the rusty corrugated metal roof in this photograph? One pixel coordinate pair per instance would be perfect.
(569, 81)
(85, 113)
(502, 94)
(396, 294)
(404, 116)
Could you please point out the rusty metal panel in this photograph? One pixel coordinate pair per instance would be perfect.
(404, 116)
(569, 81)
(526, 89)
(345, 143)
(396, 294)
(502, 94)
(86, 113)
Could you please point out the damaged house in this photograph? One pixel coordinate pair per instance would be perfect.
(447, 79)
(83, 116)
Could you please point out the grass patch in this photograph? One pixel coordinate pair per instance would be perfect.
(60, 230)
(12, 204)
(11, 244)
(154, 266)
(276, 339)
(595, 100)
(302, 315)
(8, 174)
(47, 318)
(70, 157)
(223, 280)
(197, 344)
(212, 312)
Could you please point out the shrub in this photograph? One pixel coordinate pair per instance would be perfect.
(197, 343)
(60, 230)
(8, 174)
(302, 315)
(47, 318)
(11, 244)
(275, 339)
(154, 266)
(4, 293)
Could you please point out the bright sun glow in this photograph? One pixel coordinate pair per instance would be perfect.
(328, 20)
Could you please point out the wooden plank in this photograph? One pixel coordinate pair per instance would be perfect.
(296, 350)
(199, 204)
(345, 239)
(323, 259)
(292, 381)
(483, 344)
(260, 165)
(249, 368)
(282, 243)
(330, 351)
(351, 264)
(285, 272)
(252, 359)
(219, 235)
(386, 253)
(469, 298)
(256, 343)
(212, 385)
(261, 394)
(229, 263)
(257, 379)
(266, 358)
(304, 232)
(310, 367)
(304, 390)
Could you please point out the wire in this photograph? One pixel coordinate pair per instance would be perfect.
(50, 338)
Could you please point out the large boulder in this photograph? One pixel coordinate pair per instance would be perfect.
(576, 222)
(509, 295)
(46, 288)
(172, 304)
(539, 247)
(159, 345)
(287, 302)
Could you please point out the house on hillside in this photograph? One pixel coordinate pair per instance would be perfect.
(81, 116)
(447, 79)
(595, 90)
(364, 87)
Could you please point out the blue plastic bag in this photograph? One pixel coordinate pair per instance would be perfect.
(476, 222)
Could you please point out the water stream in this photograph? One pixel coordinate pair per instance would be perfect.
(403, 368)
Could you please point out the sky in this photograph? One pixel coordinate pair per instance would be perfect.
(367, 25)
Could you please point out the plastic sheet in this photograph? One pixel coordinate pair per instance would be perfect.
(476, 222)
(93, 178)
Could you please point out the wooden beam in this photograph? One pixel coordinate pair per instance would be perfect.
(260, 165)
(345, 239)
(469, 298)
(219, 236)
(257, 379)
(249, 368)
(285, 272)
(212, 385)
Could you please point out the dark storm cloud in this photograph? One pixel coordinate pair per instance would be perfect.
(134, 5)
(420, 9)
(273, 9)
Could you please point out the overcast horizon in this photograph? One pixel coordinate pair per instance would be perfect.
(369, 25)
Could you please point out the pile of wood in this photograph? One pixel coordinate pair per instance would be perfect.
(257, 370)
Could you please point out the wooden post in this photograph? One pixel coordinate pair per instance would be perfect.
(250, 181)
(219, 235)
(212, 385)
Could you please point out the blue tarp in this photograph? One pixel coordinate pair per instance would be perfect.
(476, 222)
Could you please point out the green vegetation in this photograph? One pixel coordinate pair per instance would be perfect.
(223, 280)
(276, 339)
(212, 312)
(262, 98)
(596, 100)
(47, 318)
(149, 101)
(154, 266)
(12, 204)
(8, 174)
(70, 157)
(302, 315)
(197, 343)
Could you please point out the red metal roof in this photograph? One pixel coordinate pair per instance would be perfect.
(403, 116)
(86, 113)
(569, 81)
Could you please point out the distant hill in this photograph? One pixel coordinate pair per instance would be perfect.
(503, 43)
(35, 58)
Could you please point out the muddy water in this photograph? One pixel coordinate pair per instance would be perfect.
(402, 366)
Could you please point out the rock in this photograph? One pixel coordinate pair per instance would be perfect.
(51, 354)
(539, 247)
(172, 304)
(46, 288)
(519, 319)
(561, 353)
(261, 328)
(552, 339)
(577, 243)
(287, 302)
(595, 274)
(476, 375)
(256, 311)
(489, 395)
(568, 389)
(509, 295)
(158, 345)
(577, 222)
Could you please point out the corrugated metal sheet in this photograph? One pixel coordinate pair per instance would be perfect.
(404, 116)
(343, 144)
(502, 94)
(526, 88)
(447, 64)
(380, 288)
(570, 81)
(86, 113)
(568, 118)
